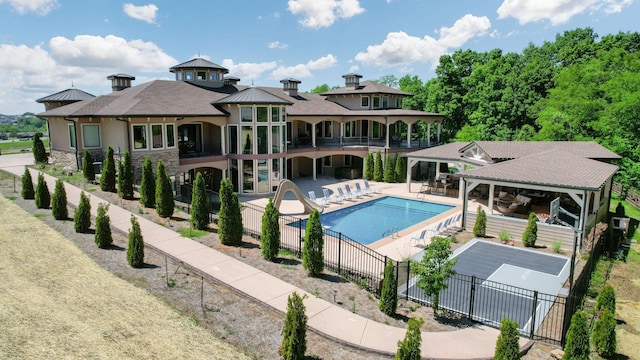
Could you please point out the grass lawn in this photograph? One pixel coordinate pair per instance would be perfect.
(629, 210)
(17, 146)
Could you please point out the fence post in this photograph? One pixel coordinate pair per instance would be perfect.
(534, 306)
(397, 269)
(300, 238)
(408, 277)
(339, 253)
(472, 296)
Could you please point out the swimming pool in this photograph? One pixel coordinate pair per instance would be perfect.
(368, 221)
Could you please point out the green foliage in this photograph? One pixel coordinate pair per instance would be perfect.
(507, 345)
(312, 254)
(480, 227)
(125, 177)
(103, 236)
(294, 334)
(409, 348)
(530, 234)
(504, 236)
(604, 335)
(59, 201)
(434, 269)
(165, 204)
(42, 196)
(229, 217)
(108, 176)
(577, 345)
(389, 294)
(620, 209)
(28, 193)
(377, 167)
(82, 215)
(88, 170)
(270, 237)
(401, 168)
(135, 248)
(199, 205)
(389, 169)
(368, 167)
(606, 299)
(39, 152)
(148, 185)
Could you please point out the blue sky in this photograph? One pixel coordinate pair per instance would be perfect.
(49, 45)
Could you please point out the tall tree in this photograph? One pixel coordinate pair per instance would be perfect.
(59, 201)
(294, 334)
(409, 348)
(368, 167)
(102, 235)
(389, 168)
(507, 344)
(389, 294)
(577, 345)
(165, 203)
(42, 196)
(82, 215)
(135, 246)
(270, 236)
(108, 176)
(378, 170)
(148, 185)
(199, 216)
(312, 251)
(88, 170)
(39, 152)
(125, 177)
(229, 217)
(27, 192)
(434, 269)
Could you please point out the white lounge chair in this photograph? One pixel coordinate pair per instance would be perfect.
(354, 194)
(332, 198)
(347, 196)
(420, 237)
(319, 201)
(372, 190)
(363, 192)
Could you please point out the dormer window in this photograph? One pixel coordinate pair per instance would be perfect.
(213, 76)
(385, 102)
(376, 102)
(364, 102)
(188, 75)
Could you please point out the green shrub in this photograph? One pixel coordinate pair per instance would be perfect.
(507, 345)
(199, 205)
(88, 170)
(39, 152)
(103, 236)
(312, 254)
(28, 193)
(229, 217)
(294, 334)
(480, 227)
(606, 299)
(270, 237)
(43, 196)
(530, 234)
(108, 176)
(389, 169)
(577, 345)
(368, 167)
(389, 293)
(401, 168)
(604, 334)
(504, 236)
(82, 215)
(165, 203)
(148, 185)
(125, 177)
(409, 348)
(59, 201)
(377, 167)
(557, 246)
(135, 247)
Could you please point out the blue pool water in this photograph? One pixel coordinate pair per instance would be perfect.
(366, 222)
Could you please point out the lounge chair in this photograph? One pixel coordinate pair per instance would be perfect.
(356, 195)
(332, 198)
(359, 190)
(435, 229)
(347, 196)
(320, 201)
(420, 237)
(372, 190)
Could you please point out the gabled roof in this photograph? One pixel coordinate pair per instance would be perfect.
(199, 63)
(69, 95)
(501, 150)
(252, 95)
(367, 87)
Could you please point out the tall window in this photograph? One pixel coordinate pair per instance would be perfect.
(139, 137)
(246, 114)
(233, 140)
(91, 135)
(275, 114)
(275, 139)
(72, 136)
(247, 139)
(350, 129)
(385, 102)
(156, 136)
(262, 113)
(376, 102)
(171, 136)
(364, 102)
(188, 75)
(263, 140)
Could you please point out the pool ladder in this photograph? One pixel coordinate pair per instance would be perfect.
(393, 232)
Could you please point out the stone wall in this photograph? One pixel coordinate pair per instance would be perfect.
(169, 158)
(65, 159)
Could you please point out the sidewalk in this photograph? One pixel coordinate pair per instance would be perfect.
(477, 342)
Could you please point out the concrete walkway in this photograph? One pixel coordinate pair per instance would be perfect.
(476, 342)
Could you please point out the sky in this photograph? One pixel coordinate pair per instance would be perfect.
(47, 46)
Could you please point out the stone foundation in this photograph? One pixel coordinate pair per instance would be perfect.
(169, 158)
(66, 159)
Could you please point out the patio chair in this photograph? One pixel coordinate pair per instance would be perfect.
(332, 198)
(372, 190)
(348, 196)
(356, 195)
(435, 229)
(312, 196)
(420, 237)
(359, 190)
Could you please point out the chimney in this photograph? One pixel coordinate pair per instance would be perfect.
(231, 80)
(290, 86)
(352, 80)
(120, 81)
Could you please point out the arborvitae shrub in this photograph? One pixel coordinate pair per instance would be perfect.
(43, 196)
(125, 177)
(409, 348)
(199, 204)
(82, 215)
(108, 176)
(28, 193)
(229, 217)
(294, 334)
(103, 236)
(401, 169)
(164, 193)
(135, 248)
(604, 334)
(606, 299)
(148, 185)
(530, 234)
(389, 293)
(368, 167)
(59, 202)
(270, 237)
(507, 345)
(312, 254)
(377, 167)
(480, 227)
(389, 169)
(39, 152)
(577, 345)
(88, 170)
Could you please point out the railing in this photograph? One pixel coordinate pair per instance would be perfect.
(631, 196)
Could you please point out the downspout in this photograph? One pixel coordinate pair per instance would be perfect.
(464, 203)
(75, 130)
(128, 134)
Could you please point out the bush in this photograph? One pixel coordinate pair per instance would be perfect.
(199, 205)
(165, 203)
(507, 345)
(504, 236)
(229, 217)
(270, 237)
(28, 193)
(135, 247)
(294, 334)
(606, 300)
(604, 335)
(312, 254)
(409, 348)
(377, 167)
(530, 234)
(108, 176)
(82, 216)
(401, 168)
(59, 202)
(556, 246)
(148, 185)
(389, 169)
(103, 236)
(39, 152)
(577, 345)
(125, 177)
(368, 167)
(42, 196)
(480, 227)
(88, 170)
(389, 293)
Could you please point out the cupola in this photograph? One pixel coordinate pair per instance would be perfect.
(352, 80)
(120, 81)
(201, 72)
(290, 86)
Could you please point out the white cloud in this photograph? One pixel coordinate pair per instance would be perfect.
(41, 7)
(303, 70)
(323, 13)
(146, 13)
(399, 48)
(247, 71)
(277, 45)
(615, 6)
(558, 11)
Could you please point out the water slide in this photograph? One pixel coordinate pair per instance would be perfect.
(287, 185)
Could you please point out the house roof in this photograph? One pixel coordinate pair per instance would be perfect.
(252, 95)
(69, 95)
(121, 75)
(500, 150)
(367, 87)
(199, 63)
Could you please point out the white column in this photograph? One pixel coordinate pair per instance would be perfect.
(491, 194)
(223, 143)
(314, 169)
(429, 134)
(341, 133)
(387, 140)
(408, 135)
(410, 164)
(313, 136)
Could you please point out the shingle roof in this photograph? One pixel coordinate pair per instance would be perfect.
(367, 87)
(121, 75)
(516, 149)
(252, 96)
(450, 151)
(69, 95)
(199, 63)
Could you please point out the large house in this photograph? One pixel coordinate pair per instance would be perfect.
(204, 121)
